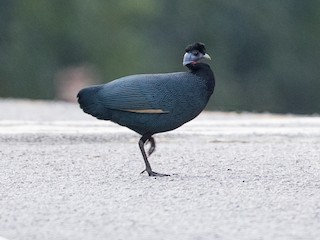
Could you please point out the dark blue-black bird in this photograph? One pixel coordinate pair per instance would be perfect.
(153, 103)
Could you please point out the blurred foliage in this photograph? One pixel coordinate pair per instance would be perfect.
(266, 54)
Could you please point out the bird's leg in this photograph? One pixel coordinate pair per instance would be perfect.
(152, 145)
(142, 141)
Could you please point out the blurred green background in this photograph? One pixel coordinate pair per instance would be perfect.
(266, 54)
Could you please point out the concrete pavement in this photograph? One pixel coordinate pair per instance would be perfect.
(66, 175)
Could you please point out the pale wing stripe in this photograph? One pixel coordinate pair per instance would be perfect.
(145, 110)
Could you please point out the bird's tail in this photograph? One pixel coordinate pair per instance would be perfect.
(89, 103)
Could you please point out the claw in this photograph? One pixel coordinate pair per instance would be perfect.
(155, 174)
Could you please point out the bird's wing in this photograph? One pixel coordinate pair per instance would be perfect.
(151, 93)
(137, 93)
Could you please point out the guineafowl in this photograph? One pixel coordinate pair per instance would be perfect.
(153, 103)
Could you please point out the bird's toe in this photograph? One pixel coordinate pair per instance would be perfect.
(155, 174)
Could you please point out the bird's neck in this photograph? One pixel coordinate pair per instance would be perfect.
(203, 71)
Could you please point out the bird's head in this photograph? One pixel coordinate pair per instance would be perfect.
(195, 53)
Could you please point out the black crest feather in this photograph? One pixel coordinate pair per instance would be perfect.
(198, 46)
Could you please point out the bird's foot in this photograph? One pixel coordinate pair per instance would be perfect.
(155, 174)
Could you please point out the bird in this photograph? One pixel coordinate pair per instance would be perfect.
(150, 104)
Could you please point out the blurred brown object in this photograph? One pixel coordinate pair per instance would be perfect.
(69, 81)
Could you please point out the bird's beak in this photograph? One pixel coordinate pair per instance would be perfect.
(190, 58)
(206, 56)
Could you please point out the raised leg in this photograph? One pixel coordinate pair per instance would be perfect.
(152, 145)
(142, 141)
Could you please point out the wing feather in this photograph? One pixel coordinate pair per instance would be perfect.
(145, 93)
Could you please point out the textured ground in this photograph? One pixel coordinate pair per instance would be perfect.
(66, 175)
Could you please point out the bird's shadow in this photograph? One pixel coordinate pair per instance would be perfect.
(179, 176)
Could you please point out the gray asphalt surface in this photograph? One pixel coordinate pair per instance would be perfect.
(66, 175)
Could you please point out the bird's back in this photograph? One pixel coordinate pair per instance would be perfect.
(148, 103)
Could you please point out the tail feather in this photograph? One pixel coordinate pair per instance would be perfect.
(88, 100)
